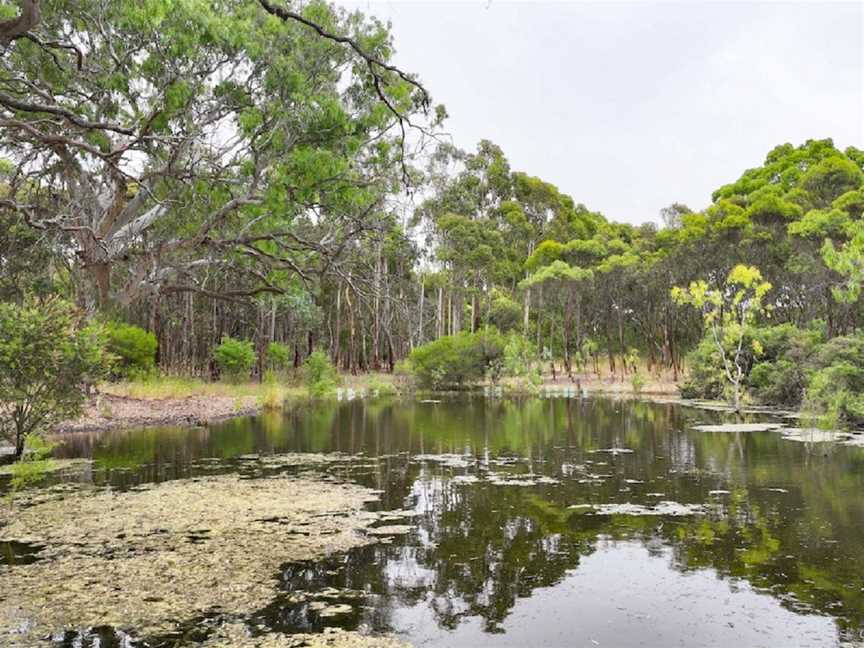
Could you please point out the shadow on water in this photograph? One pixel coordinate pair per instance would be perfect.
(544, 516)
(19, 553)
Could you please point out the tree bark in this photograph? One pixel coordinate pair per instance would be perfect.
(12, 30)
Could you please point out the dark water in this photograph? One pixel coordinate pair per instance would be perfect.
(505, 552)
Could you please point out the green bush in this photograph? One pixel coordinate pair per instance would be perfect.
(835, 389)
(521, 362)
(134, 348)
(781, 373)
(778, 361)
(235, 358)
(457, 360)
(319, 374)
(278, 357)
(49, 356)
(705, 378)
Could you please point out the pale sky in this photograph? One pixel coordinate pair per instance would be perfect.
(628, 107)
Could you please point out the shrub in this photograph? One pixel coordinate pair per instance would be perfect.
(705, 378)
(378, 387)
(637, 381)
(235, 358)
(48, 359)
(278, 357)
(273, 397)
(319, 374)
(521, 362)
(835, 389)
(457, 360)
(404, 377)
(134, 348)
(781, 374)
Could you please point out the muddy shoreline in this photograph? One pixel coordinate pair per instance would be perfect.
(111, 412)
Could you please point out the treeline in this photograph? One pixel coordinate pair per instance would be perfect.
(226, 171)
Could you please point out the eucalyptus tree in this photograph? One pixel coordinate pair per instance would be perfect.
(729, 314)
(562, 283)
(171, 142)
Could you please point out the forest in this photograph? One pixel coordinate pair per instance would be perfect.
(284, 363)
(193, 174)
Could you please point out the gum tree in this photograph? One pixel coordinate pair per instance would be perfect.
(728, 314)
(174, 141)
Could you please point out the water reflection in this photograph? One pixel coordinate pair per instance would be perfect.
(507, 548)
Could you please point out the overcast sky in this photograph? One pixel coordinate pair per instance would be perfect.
(629, 107)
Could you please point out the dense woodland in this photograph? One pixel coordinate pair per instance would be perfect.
(231, 168)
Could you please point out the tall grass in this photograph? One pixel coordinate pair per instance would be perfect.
(177, 387)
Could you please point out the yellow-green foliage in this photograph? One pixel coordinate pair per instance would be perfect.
(273, 397)
(319, 374)
(235, 358)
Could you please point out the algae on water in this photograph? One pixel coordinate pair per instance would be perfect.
(150, 558)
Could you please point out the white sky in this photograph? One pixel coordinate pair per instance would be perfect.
(628, 107)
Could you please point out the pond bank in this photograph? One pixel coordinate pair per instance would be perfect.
(110, 412)
(159, 556)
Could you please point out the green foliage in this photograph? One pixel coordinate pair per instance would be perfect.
(637, 381)
(319, 374)
(521, 362)
(49, 357)
(836, 386)
(705, 378)
(403, 376)
(457, 360)
(235, 358)
(33, 465)
(848, 261)
(279, 357)
(134, 348)
(795, 367)
(729, 314)
(381, 388)
(504, 313)
(779, 376)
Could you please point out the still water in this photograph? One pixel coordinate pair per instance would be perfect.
(555, 522)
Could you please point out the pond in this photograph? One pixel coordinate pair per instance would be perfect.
(545, 522)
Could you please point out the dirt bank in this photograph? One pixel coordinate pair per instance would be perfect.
(154, 557)
(107, 412)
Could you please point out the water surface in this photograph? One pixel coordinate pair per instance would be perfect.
(551, 522)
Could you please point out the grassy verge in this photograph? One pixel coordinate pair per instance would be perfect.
(179, 387)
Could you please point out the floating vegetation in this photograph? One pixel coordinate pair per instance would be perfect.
(615, 451)
(527, 479)
(390, 530)
(819, 435)
(449, 460)
(237, 635)
(51, 466)
(159, 554)
(664, 508)
(739, 427)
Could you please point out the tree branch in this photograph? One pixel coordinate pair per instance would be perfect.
(12, 30)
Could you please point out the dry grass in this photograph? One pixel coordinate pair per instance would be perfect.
(655, 382)
(175, 387)
(178, 387)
